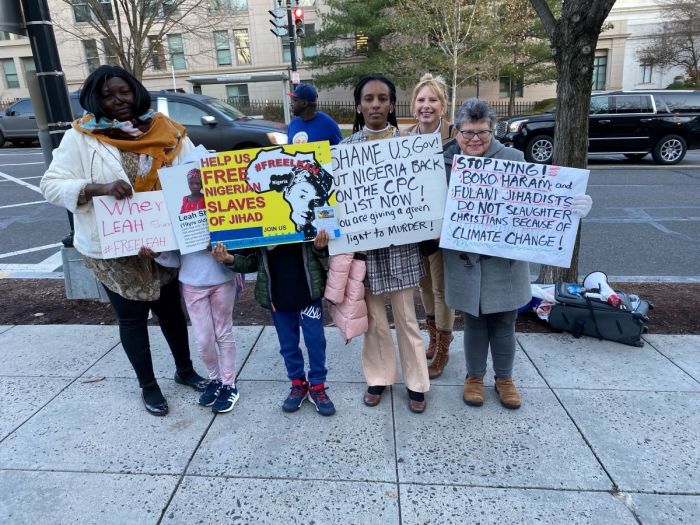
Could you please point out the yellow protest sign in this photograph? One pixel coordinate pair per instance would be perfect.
(273, 195)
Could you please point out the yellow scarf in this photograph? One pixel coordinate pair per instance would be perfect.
(162, 142)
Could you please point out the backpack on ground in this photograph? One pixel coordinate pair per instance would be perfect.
(582, 315)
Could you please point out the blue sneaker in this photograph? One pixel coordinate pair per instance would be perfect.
(209, 396)
(226, 399)
(318, 396)
(299, 391)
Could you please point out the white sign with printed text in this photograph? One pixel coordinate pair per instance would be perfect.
(125, 225)
(388, 192)
(515, 210)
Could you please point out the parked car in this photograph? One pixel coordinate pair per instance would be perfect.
(18, 122)
(216, 125)
(633, 123)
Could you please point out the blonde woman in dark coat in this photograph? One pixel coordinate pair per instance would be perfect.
(429, 102)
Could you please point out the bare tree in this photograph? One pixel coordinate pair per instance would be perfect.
(133, 31)
(573, 38)
(677, 42)
(461, 31)
(522, 52)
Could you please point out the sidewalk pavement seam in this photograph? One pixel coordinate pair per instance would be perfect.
(70, 382)
(204, 434)
(623, 498)
(396, 454)
(573, 421)
(184, 471)
(252, 349)
(650, 343)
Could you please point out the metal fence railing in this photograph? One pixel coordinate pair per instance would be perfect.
(344, 112)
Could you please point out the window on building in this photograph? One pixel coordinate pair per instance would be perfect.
(506, 83)
(645, 70)
(157, 53)
(242, 43)
(308, 51)
(600, 69)
(228, 5)
(5, 35)
(164, 9)
(92, 57)
(361, 42)
(286, 50)
(177, 52)
(28, 65)
(109, 53)
(223, 48)
(84, 12)
(11, 78)
(237, 95)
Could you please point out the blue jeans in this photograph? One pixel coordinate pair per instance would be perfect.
(311, 322)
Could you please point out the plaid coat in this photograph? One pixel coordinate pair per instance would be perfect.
(396, 267)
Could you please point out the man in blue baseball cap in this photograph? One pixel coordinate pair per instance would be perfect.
(309, 124)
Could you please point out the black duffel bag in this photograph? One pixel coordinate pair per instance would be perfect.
(581, 315)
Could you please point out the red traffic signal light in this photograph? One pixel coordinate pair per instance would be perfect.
(298, 14)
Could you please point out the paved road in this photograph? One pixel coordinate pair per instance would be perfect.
(645, 220)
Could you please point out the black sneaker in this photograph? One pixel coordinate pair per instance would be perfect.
(318, 396)
(191, 379)
(297, 394)
(226, 399)
(209, 396)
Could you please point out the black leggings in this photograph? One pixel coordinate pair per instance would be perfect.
(133, 330)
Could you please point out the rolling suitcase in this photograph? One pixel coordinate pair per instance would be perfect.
(581, 315)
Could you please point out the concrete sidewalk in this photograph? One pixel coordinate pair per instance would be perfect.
(607, 434)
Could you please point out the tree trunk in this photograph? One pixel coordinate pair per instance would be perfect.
(573, 39)
(511, 97)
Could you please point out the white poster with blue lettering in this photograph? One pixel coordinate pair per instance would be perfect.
(388, 192)
(515, 210)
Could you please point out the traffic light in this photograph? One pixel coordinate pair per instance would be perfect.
(298, 16)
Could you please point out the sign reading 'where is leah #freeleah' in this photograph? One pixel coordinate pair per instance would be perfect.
(388, 192)
(125, 225)
(515, 210)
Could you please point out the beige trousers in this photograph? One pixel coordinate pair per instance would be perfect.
(432, 293)
(378, 353)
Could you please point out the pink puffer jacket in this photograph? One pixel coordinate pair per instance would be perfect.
(345, 290)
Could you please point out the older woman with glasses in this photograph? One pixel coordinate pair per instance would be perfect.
(489, 290)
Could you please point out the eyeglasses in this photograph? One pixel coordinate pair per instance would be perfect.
(482, 134)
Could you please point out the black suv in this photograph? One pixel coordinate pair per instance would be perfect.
(633, 123)
(210, 122)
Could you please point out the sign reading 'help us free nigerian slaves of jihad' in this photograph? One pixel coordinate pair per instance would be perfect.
(515, 210)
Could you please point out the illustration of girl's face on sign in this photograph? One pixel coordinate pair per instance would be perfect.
(302, 196)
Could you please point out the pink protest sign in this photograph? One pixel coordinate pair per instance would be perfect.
(126, 225)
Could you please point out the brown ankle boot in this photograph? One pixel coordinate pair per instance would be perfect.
(432, 332)
(473, 391)
(442, 354)
(508, 394)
